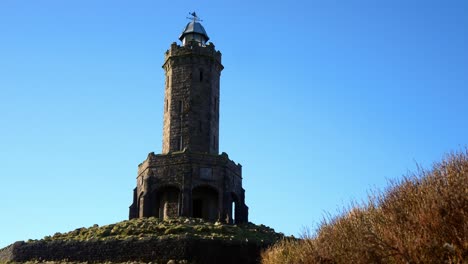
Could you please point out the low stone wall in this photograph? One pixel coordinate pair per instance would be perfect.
(199, 251)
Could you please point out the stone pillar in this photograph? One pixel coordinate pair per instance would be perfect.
(145, 205)
(243, 210)
(243, 214)
(226, 215)
(133, 210)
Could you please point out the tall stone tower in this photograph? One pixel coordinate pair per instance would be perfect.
(190, 178)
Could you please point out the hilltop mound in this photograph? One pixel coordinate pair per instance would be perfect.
(144, 228)
(185, 240)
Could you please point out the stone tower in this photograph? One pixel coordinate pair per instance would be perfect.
(190, 178)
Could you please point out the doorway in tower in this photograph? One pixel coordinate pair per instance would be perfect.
(167, 202)
(205, 203)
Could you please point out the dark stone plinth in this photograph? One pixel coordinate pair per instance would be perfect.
(193, 250)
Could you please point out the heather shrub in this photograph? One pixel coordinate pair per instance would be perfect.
(421, 218)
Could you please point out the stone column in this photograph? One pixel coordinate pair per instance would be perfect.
(146, 210)
(226, 208)
(243, 210)
(133, 210)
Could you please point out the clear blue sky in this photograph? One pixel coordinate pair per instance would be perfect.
(321, 101)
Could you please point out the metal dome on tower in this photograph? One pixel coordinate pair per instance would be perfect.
(194, 31)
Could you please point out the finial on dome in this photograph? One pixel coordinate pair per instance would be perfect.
(194, 17)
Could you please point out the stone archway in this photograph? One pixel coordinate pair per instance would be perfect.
(205, 203)
(234, 209)
(167, 202)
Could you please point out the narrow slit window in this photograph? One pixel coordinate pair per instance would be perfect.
(181, 143)
(181, 106)
(201, 75)
(233, 212)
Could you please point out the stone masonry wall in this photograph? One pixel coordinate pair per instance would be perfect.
(181, 173)
(191, 105)
(146, 250)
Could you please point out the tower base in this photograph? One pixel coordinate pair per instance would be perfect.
(190, 184)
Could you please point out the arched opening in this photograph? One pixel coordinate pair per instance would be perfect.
(167, 202)
(141, 202)
(234, 208)
(205, 203)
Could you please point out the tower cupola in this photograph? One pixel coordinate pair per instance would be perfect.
(194, 31)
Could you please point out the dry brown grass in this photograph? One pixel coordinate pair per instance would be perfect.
(422, 218)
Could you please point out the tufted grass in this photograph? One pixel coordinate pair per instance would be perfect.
(151, 227)
(422, 218)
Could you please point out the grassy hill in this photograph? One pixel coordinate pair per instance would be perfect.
(144, 228)
(422, 218)
(178, 240)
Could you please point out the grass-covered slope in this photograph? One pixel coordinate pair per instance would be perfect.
(423, 218)
(144, 228)
(178, 240)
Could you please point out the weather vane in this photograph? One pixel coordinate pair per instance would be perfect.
(194, 17)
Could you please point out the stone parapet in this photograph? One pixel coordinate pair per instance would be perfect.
(191, 49)
(182, 157)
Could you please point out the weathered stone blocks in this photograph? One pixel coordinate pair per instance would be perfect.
(199, 184)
